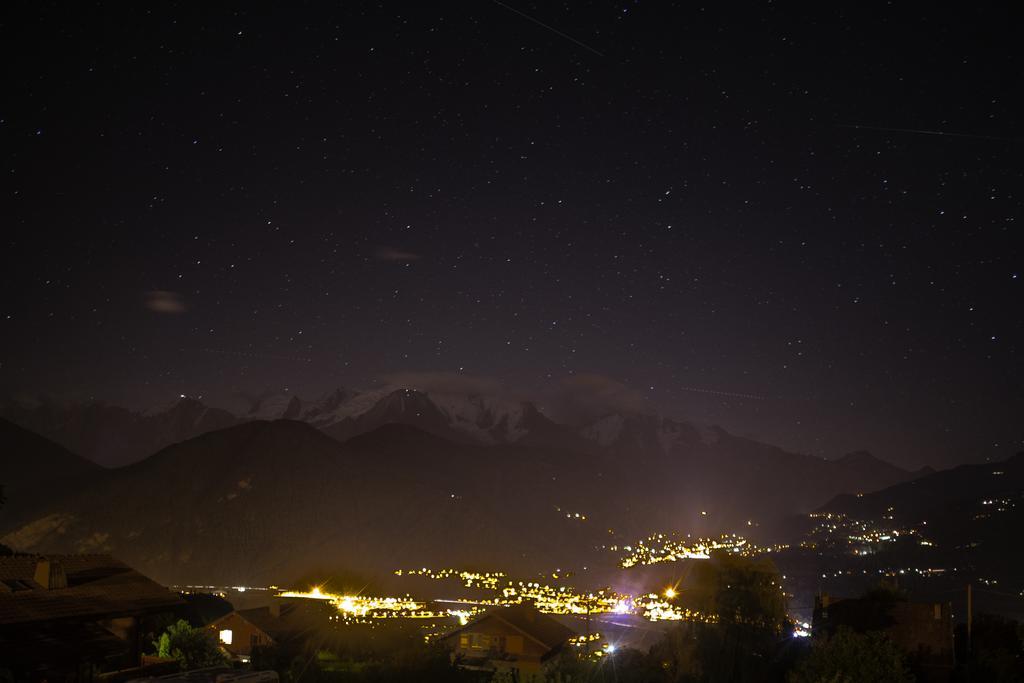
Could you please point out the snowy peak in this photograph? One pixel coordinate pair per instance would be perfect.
(273, 406)
(342, 404)
(489, 419)
(645, 432)
(605, 431)
(326, 405)
(469, 417)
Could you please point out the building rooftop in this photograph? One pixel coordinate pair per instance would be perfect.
(35, 588)
(530, 621)
(284, 620)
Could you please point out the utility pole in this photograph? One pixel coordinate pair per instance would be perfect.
(586, 643)
(970, 616)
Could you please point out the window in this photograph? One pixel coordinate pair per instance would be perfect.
(475, 641)
(226, 636)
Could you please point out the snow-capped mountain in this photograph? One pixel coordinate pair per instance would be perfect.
(704, 452)
(630, 433)
(706, 458)
(114, 436)
(466, 417)
(435, 451)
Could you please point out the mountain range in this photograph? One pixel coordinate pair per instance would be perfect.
(114, 436)
(380, 480)
(263, 501)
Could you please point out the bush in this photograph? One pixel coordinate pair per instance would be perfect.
(850, 657)
(194, 648)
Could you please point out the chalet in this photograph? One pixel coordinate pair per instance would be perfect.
(281, 623)
(923, 630)
(517, 639)
(65, 616)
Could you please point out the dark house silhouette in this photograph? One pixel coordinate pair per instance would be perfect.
(518, 639)
(282, 623)
(68, 615)
(923, 630)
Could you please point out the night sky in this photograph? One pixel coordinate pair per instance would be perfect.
(805, 227)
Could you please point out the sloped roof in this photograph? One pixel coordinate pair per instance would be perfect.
(530, 621)
(292, 622)
(98, 586)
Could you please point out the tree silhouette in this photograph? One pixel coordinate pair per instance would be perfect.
(851, 657)
(194, 648)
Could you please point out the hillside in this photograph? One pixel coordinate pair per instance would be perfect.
(259, 501)
(931, 494)
(26, 457)
(263, 501)
(963, 521)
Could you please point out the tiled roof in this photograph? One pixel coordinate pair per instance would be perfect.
(292, 622)
(539, 625)
(98, 586)
(528, 619)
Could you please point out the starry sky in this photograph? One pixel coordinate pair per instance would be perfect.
(801, 223)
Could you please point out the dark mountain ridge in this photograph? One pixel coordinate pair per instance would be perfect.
(263, 501)
(256, 501)
(113, 436)
(936, 490)
(28, 457)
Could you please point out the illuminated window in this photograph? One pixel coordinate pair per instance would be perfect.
(225, 636)
(475, 641)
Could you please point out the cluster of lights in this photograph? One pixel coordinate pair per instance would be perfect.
(667, 548)
(605, 649)
(563, 600)
(580, 641)
(655, 608)
(566, 600)
(545, 597)
(996, 504)
(361, 609)
(489, 580)
(861, 536)
(222, 591)
(572, 515)
(892, 571)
